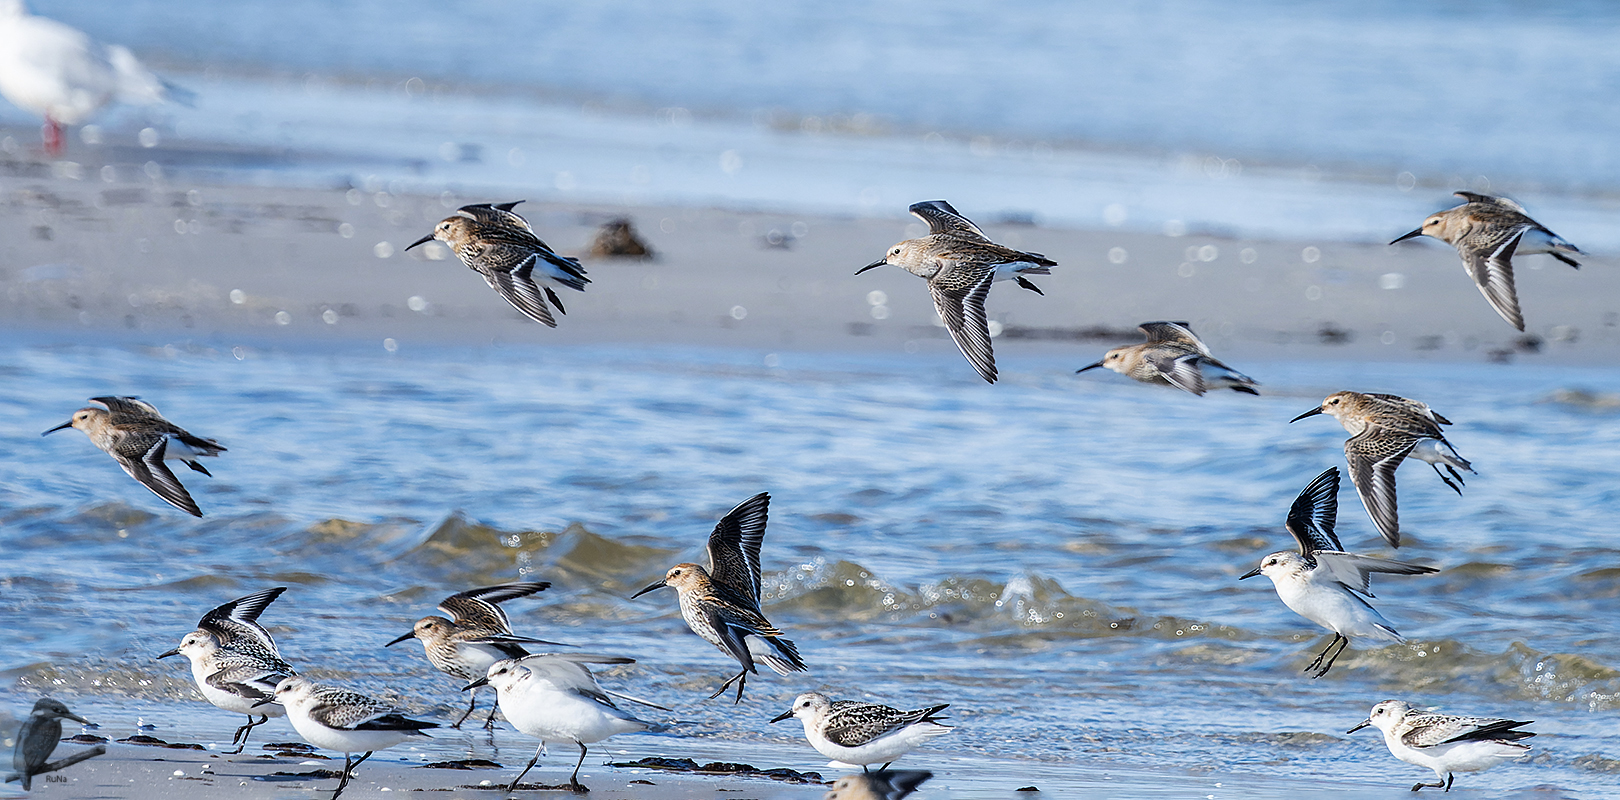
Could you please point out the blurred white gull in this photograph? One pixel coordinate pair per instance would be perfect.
(63, 75)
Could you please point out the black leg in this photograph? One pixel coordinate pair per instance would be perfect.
(1448, 480)
(1450, 776)
(1429, 785)
(741, 679)
(573, 780)
(1344, 642)
(489, 721)
(1024, 282)
(526, 769)
(347, 769)
(1323, 654)
(554, 301)
(865, 768)
(886, 765)
(242, 733)
(472, 703)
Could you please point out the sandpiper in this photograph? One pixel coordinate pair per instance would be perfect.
(132, 431)
(1487, 231)
(880, 785)
(343, 720)
(37, 739)
(856, 732)
(477, 635)
(554, 697)
(498, 243)
(1386, 429)
(1443, 743)
(721, 604)
(1321, 581)
(235, 661)
(960, 262)
(1174, 356)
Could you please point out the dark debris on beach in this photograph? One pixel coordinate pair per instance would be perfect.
(724, 768)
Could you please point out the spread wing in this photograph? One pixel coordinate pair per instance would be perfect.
(1475, 197)
(941, 218)
(959, 296)
(852, 724)
(479, 609)
(1373, 456)
(1490, 264)
(238, 620)
(1179, 332)
(497, 215)
(1428, 730)
(734, 546)
(1183, 370)
(127, 405)
(150, 470)
(1315, 511)
(514, 280)
(1355, 572)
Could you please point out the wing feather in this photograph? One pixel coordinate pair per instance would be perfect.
(735, 543)
(961, 305)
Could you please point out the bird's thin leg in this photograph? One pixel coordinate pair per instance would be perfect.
(573, 780)
(1430, 785)
(1024, 282)
(1323, 654)
(555, 301)
(52, 133)
(526, 769)
(886, 765)
(1449, 778)
(866, 768)
(242, 733)
(1446, 479)
(741, 679)
(1455, 474)
(489, 721)
(1344, 641)
(344, 781)
(472, 703)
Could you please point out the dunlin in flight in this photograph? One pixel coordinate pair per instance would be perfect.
(1322, 582)
(1487, 232)
(133, 432)
(1386, 429)
(960, 262)
(721, 603)
(1174, 356)
(498, 243)
(1445, 743)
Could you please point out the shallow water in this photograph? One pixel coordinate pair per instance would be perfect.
(1057, 556)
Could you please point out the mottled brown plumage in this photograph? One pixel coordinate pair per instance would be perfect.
(1174, 356)
(499, 244)
(140, 440)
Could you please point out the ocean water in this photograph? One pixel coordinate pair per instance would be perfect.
(1057, 557)
(1293, 120)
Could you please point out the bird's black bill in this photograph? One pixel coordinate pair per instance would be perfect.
(1403, 237)
(67, 424)
(411, 635)
(1088, 366)
(423, 240)
(873, 265)
(1313, 412)
(658, 585)
(1364, 723)
(782, 716)
(174, 652)
(266, 701)
(1251, 573)
(475, 684)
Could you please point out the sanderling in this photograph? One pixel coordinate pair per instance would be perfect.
(960, 262)
(132, 431)
(880, 785)
(554, 696)
(1385, 430)
(1444, 743)
(1321, 581)
(1174, 356)
(861, 733)
(343, 720)
(37, 739)
(498, 243)
(63, 75)
(721, 604)
(477, 635)
(235, 661)
(1487, 231)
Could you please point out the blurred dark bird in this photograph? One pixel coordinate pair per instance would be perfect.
(37, 738)
(617, 239)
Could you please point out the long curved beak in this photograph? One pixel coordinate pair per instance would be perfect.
(1251, 573)
(874, 265)
(1088, 366)
(782, 716)
(67, 424)
(1313, 412)
(1364, 723)
(658, 585)
(1403, 237)
(423, 240)
(411, 635)
(174, 652)
(484, 681)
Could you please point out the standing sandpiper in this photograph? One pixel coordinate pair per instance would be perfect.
(1487, 231)
(477, 635)
(1443, 743)
(856, 732)
(1174, 356)
(960, 262)
(1386, 429)
(1321, 582)
(235, 662)
(132, 431)
(721, 604)
(342, 720)
(497, 243)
